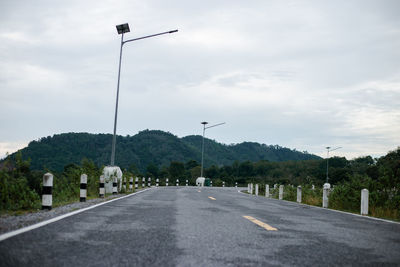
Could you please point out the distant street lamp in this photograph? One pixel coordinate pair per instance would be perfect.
(124, 28)
(202, 146)
(327, 160)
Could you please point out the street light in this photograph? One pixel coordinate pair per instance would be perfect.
(327, 160)
(202, 146)
(124, 28)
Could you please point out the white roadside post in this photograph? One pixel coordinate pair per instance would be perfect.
(223, 184)
(115, 184)
(47, 191)
(143, 181)
(251, 189)
(149, 182)
(281, 192)
(235, 184)
(124, 183)
(177, 182)
(313, 187)
(364, 201)
(101, 186)
(157, 181)
(248, 188)
(325, 195)
(83, 190)
(120, 184)
(166, 182)
(256, 192)
(131, 184)
(211, 183)
(299, 194)
(136, 183)
(187, 183)
(267, 190)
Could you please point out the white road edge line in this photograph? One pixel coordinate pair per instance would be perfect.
(40, 224)
(339, 211)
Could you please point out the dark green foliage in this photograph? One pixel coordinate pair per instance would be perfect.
(147, 148)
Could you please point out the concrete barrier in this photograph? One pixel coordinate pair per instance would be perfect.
(281, 192)
(131, 184)
(115, 184)
(299, 194)
(267, 190)
(364, 201)
(325, 195)
(83, 188)
(101, 186)
(47, 191)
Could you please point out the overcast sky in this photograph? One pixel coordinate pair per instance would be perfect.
(300, 74)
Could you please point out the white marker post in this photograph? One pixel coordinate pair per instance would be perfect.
(124, 183)
(47, 191)
(267, 190)
(157, 181)
(256, 191)
(325, 195)
(131, 184)
(235, 184)
(83, 188)
(143, 182)
(211, 183)
(223, 184)
(364, 201)
(299, 194)
(115, 184)
(281, 192)
(166, 182)
(136, 183)
(177, 182)
(187, 183)
(101, 186)
(149, 182)
(251, 189)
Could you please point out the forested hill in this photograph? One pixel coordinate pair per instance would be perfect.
(145, 148)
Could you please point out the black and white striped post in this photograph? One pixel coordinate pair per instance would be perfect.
(211, 183)
(131, 184)
(177, 182)
(157, 181)
(149, 182)
(166, 182)
(235, 184)
(136, 183)
(115, 186)
(187, 183)
(47, 191)
(101, 186)
(124, 183)
(83, 188)
(223, 184)
(143, 182)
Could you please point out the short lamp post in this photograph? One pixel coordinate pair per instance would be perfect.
(124, 28)
(202, 146)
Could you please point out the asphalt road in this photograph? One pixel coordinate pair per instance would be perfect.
(205, 227)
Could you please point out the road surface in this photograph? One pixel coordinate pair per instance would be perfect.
(188, 226)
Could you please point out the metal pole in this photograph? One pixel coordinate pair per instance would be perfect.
(202, 152)
(327, 165)
(116, 105)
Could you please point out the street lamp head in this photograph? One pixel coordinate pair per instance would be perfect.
(204, 122)
(328, 147)
(123, 28)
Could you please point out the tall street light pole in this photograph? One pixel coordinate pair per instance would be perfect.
(202, 146)
(124, 28)
(327, 160)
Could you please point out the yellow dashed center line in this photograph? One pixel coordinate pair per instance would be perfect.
(260, 223)
(211, 198)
